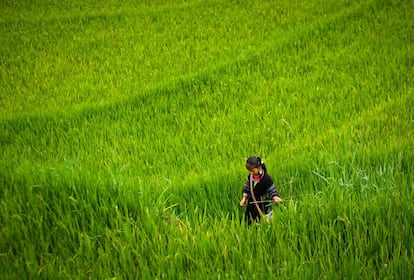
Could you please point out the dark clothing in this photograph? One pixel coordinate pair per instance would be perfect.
(264, 189)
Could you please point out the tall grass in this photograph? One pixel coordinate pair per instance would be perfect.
(125, 127)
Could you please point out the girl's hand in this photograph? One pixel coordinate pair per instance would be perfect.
(276, 199)
(242, 202)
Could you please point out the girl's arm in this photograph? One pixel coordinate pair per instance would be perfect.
(273, 194)
(246, 190)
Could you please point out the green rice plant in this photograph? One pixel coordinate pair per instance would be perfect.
(124, 128)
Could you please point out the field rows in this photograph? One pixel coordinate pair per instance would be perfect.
(124, 129)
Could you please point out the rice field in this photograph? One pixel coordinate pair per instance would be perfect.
(125, 127)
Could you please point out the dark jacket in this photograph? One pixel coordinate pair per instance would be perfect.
(264, 188)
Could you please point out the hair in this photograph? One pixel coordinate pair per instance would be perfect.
(256, 161)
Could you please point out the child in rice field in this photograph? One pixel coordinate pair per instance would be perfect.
(257, 191)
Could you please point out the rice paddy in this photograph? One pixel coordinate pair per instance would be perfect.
(125, 127)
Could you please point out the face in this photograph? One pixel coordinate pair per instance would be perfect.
(253, 170)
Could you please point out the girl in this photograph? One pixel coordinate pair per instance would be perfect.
(258, 188)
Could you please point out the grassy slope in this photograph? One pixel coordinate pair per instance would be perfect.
(108, 98)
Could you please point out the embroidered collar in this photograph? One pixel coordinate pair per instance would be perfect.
(258, 177)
